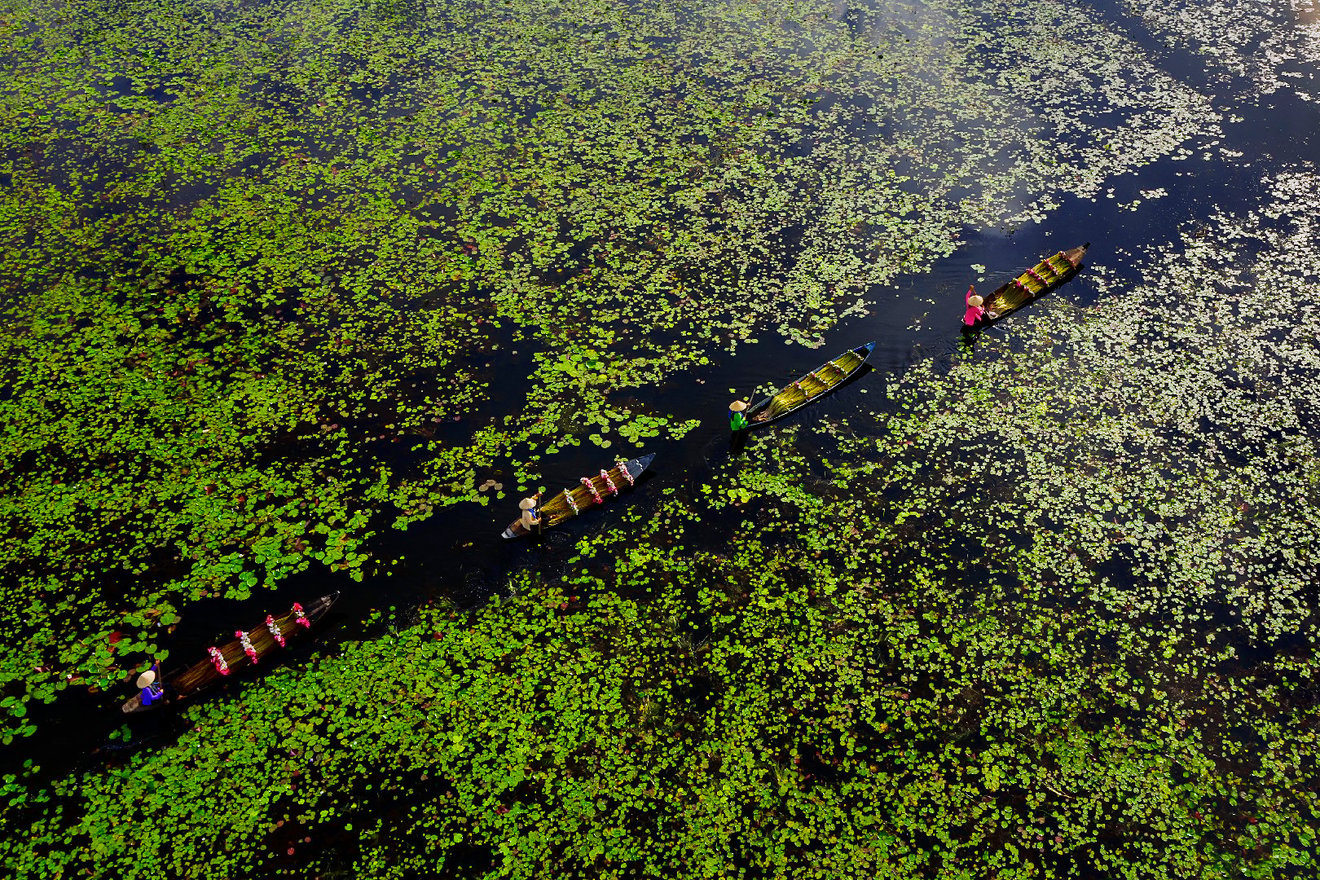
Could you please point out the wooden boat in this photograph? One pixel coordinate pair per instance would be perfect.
(592, 491)
(1040, 279)
(226, 660)
(823, 379)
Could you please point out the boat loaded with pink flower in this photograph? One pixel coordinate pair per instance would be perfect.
(590, 492)
(1035, 282)
(249, 648)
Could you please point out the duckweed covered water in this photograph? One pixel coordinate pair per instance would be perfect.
(267, 261)
(279, 278)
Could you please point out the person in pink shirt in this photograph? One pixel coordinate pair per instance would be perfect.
(974, 309)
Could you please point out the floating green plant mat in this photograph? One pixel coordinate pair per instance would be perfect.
(1272, 45)
(261, 264)
(1019, 624)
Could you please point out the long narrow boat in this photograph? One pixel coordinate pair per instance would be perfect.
(247, 649)
(591, 491)
(813, 385)
(1040, 279)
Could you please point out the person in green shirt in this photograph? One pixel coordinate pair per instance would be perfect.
(737, 421)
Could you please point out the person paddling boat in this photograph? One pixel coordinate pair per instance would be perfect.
(737, 421)
(152, 691)
(531, 514)
(975, 311)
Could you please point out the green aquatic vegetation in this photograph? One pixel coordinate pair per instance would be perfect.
(1166, 460)
(262, 264)
(1267, 44)
(1048, 613)
(823, 693)
(1006, 625)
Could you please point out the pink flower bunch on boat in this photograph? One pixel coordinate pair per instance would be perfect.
(219, 660)
(274, 629)
(247, 645)
(623, 469)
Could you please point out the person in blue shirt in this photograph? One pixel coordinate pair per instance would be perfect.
(531, 514)
(153, 691)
